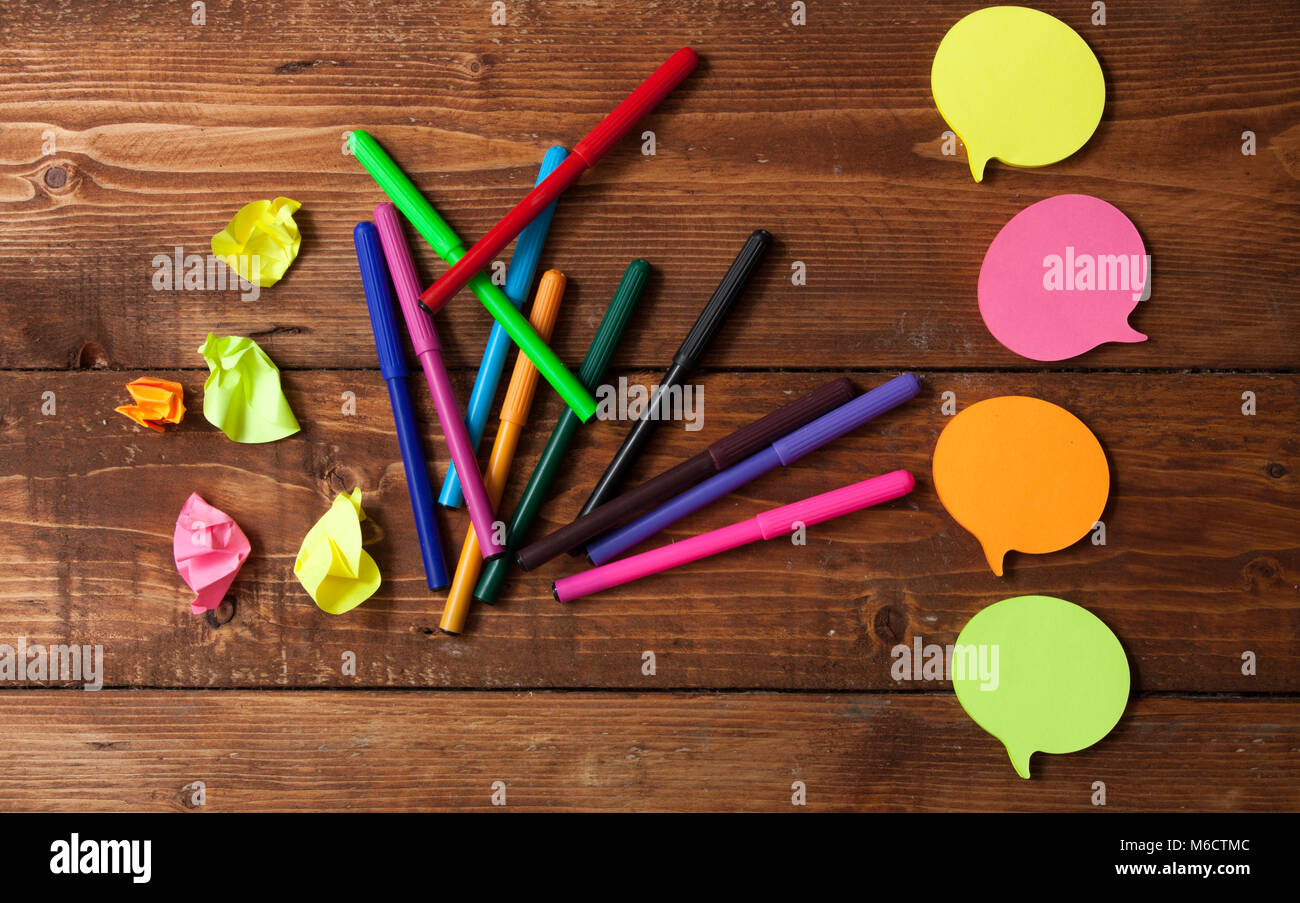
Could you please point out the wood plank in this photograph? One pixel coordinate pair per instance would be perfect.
(1203, 544)
(375, 750)
(824, 134)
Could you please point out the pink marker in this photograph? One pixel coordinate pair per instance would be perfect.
(777, 522)
(427, 348)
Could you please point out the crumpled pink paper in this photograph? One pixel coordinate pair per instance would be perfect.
(209, 549)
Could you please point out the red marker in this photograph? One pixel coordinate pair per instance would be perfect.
(585, 154)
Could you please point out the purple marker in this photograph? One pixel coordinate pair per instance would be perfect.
(783, 452)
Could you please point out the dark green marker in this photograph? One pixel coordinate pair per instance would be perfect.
(548, 465)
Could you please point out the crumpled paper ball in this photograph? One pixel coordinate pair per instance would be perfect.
(242, 396)
(261, 241)
(209, 549)
(157, 401)
(331, 565)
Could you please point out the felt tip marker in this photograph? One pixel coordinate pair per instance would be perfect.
(768, 525)
(392, 367)
(514, 414)
(447, 245)
(586, 153)
(781, 453)
(719, 456)
(550, 462)
(427, 349)
(519, 281)
(684, 362)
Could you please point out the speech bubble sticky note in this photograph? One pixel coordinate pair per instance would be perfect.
(1062, 277)
(1018, 85)
(1041, 674)
(1020, 473)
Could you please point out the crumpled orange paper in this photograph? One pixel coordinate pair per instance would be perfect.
(261, 241)
(157, 401)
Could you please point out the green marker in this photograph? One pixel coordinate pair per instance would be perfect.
(447, 245)
(548, 465)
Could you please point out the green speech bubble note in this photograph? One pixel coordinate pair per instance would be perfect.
(1018, 85)
(1041, 674)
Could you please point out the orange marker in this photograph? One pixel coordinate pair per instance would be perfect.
(514, 414)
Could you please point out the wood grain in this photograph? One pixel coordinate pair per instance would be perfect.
(824, 134)
(376, 750)
(1200, 562)
(126, 132)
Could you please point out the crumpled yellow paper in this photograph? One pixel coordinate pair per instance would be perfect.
(336, 572)
(157, 401)
(242, 396)
(261, 241)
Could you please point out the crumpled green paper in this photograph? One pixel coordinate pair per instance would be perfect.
(261, 241)
(242, 396)
(336, 572)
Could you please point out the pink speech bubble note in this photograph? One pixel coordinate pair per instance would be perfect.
(1062, 277)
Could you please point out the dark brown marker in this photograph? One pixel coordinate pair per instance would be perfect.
(718, 456)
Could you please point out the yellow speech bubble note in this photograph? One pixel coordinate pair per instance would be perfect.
(1018, 85)
(1021, 473)
(1041, 674)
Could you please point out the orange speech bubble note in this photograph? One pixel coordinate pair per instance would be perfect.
(1021, 473)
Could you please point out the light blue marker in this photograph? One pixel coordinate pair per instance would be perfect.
(519, 281)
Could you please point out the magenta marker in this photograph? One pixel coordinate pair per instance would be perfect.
(420, 327)
(776, 522)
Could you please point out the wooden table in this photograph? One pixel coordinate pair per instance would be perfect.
(128, 130)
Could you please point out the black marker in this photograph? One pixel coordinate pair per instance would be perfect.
(684, 362)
